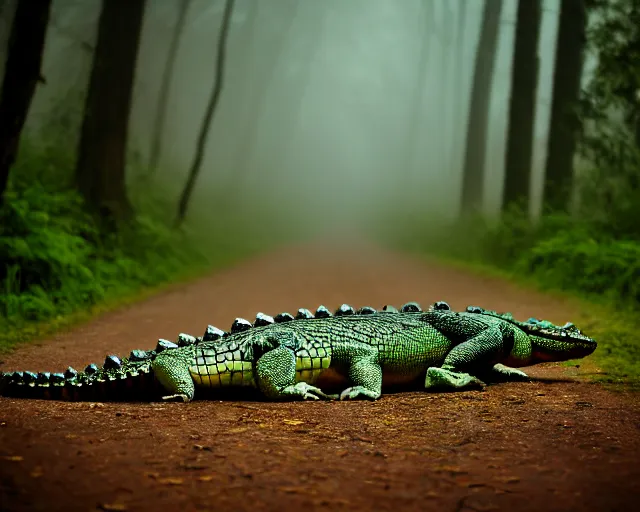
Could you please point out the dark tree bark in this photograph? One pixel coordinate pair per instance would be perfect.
(165, 88)
(211, 108)
(522, 104)
(22, 73)
(475, 150)
(100, 169)
(565, 123)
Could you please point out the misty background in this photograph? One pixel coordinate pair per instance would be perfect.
(334, 111)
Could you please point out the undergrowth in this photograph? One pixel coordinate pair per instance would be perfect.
(59, 267)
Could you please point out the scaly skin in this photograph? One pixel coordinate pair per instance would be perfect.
(287, 358)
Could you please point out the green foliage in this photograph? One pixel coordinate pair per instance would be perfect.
(57, 262)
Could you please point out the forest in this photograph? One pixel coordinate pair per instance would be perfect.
(209, 206)
(144, 143)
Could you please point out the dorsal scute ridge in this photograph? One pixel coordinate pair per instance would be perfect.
(344, 310)
(112, 362)
(388, 308)
(323, 312)
(440, 306)
(304, 314)
(184, 340)
(212, 333)
(366, 310)
(283, 317)
(240, 325)
(165, 345)
(262, 320)
(411, 307)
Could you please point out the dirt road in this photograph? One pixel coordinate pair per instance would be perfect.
(559, 443)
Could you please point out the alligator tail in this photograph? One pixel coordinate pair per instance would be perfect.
(130, 379)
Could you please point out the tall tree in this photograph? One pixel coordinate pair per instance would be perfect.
(477, 126)
(522, 103)
(22, 73)
(100, 169)
(565, 122)
(211, 108)
(165, 87)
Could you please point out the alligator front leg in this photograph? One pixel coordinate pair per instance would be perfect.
(276, 377)
(475, 353)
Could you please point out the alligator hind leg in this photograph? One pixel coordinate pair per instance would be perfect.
(173, 373)
(476, 353)
(276, 377)
(365, 373)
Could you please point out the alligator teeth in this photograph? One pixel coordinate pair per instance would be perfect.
(411, 307)
(213, 333)
(164, 345)
(323, 312)
(366, 310)
(139, 355)
(262, 320)
(184, 340)
(344, 310)
(112, 362)
(70, 373)
(283, 317)
(91, 369)
(304, 314)
(389, 309)
(239, 325)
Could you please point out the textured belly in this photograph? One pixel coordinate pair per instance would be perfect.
(212, 374)
(309, 369)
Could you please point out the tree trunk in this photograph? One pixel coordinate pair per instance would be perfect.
(565, 123)
(211, 108)
(100, 169)
(22, 73)
(522, 104)
(477, 126)
(165, 88)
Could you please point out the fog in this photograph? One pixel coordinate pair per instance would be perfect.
(332, 112)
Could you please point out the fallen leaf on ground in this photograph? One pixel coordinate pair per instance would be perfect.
(171, 480)
(293, 422)
(37, 472)
(112, 507)
(13, 458)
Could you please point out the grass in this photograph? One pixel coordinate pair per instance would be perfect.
(60, 268)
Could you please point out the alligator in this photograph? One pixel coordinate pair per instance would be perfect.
(288, 358)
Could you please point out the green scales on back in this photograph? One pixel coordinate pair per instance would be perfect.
(300, 357)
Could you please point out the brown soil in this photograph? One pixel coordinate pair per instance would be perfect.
(558, 443)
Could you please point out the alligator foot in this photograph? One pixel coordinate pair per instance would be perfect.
(176, 398)
(500, 372)
(439, 378)
(356, 392)
(305, 391)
